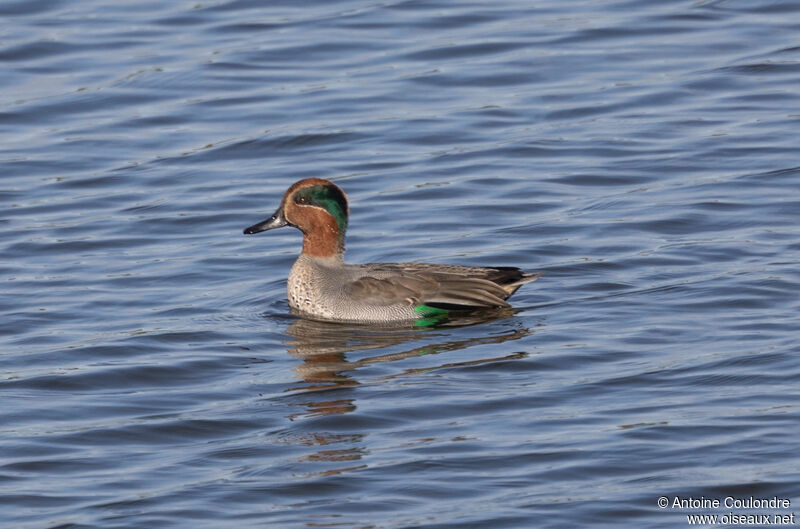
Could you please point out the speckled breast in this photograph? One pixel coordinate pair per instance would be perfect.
(321, 294)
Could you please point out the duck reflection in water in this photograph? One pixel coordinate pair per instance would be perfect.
(331, 352)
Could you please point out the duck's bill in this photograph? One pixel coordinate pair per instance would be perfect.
(275, 221)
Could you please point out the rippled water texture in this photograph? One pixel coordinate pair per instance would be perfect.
(643, 155)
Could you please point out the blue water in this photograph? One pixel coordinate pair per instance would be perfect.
(643, 155)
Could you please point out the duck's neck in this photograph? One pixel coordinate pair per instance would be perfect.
(325, 245)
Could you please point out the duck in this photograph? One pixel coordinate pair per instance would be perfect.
(322, 286)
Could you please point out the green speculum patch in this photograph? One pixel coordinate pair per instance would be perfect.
(328, 198)
(427, 315)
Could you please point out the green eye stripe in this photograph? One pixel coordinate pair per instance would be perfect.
(328, 198)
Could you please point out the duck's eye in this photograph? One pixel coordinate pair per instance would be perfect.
(302, 200)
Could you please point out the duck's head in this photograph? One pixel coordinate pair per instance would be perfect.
(316, 207)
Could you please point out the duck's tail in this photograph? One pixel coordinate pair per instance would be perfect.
(512, 287)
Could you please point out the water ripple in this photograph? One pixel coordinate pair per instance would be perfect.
(642, 155)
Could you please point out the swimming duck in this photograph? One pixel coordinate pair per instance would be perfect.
(322, 286)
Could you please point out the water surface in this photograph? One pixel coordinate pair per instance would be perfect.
(643, 155)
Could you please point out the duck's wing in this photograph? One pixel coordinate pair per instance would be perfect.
(508, 278)
(417, 284)
(389, 290)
